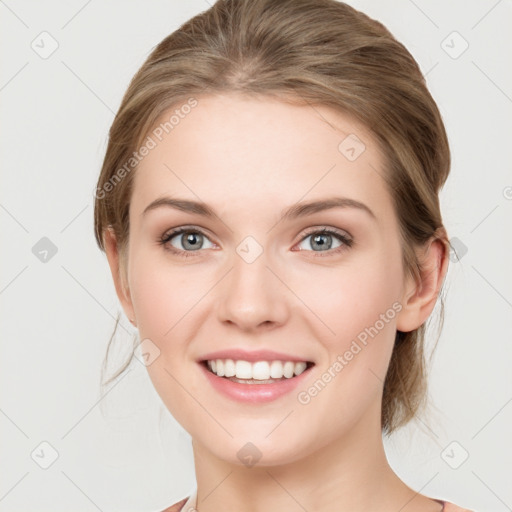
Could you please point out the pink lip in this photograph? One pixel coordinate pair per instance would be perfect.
(253, 393)
(257, 355)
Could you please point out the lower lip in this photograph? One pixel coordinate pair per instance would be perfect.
(253, 393)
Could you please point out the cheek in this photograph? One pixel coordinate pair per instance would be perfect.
(162, 293)
(167, 302)
(351, 297)
(155, 299)
(355, 322)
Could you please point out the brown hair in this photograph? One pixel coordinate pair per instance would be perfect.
(319, 52)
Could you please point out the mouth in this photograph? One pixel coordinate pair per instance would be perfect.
(250, 382)
(262, 372)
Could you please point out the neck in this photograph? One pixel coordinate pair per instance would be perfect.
(353, 473)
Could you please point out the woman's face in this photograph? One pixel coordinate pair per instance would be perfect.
(257, 279)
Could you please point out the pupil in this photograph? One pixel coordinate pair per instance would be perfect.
(192, 240)
(318, 240)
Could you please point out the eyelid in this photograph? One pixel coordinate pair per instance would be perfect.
(326, 229)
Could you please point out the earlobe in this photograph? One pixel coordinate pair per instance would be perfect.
(122, 289)
(421, 297)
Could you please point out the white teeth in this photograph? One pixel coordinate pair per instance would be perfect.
(260, 370)
(229, 368)
(276, 369)
(288, 369)
(243, 369)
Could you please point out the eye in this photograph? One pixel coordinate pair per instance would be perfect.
(325, 240)
(185, 240)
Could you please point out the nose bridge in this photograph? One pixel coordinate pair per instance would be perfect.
(251, 294)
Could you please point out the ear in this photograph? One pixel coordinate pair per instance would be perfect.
(118, 274)
(420, 297)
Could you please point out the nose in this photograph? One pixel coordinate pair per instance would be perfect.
(252, 297)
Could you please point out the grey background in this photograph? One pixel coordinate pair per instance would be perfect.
(118, 449)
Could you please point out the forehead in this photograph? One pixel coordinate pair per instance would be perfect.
(259, 152)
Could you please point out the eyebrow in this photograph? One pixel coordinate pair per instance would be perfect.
(293, 212)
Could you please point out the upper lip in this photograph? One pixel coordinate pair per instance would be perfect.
(239, 354)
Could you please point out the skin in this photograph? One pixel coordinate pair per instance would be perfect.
(249, 159)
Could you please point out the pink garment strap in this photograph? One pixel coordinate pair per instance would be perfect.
(442, 503)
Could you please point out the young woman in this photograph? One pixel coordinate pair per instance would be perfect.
(269, 207)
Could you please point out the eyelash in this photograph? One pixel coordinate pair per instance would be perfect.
(347, 242)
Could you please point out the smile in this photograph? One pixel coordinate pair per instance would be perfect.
(261, 381)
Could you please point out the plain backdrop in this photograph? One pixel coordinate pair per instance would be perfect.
(65, 67)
